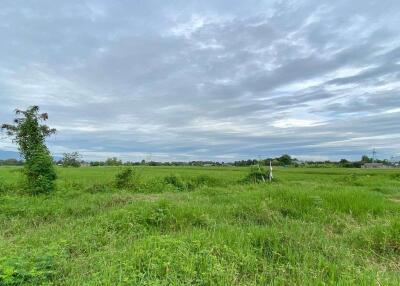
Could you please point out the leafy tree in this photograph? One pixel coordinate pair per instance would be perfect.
(71, 159)
(29, 134)
(285, 160)
(366, 159)
(345, 163)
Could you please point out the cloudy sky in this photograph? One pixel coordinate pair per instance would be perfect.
(220, 80)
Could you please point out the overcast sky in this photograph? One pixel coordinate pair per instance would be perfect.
(220, 80)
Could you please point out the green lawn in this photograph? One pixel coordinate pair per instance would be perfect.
(205, 226)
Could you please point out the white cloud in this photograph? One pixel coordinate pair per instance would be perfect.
(186, 29)
(292, 122)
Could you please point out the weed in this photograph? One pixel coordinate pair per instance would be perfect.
(22, 271)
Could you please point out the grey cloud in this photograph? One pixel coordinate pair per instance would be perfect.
(205, 79)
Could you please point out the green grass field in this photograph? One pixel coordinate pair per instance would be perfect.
(202, 226)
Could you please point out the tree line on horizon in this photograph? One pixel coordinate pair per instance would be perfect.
(74, 159)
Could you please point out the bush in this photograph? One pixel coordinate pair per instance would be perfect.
(127, 179)
(155, 185)
(190, 184)
(256, 175)
(176, 181)
(40, 172)
(204, 180)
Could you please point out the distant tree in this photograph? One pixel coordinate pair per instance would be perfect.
(153, 163)
(285, 160)
(97, 163)
(71, 159)
(275, 162)
(113, 162)
(366, 159)
(29, 134)
(345, 163)
(11, 162)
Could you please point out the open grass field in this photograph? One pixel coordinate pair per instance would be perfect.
(202, 226)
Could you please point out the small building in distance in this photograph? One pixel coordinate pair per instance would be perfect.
(395, 161)
(373, 165)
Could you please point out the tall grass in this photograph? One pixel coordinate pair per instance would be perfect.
(202, 226)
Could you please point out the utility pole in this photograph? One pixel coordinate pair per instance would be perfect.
(373, 155)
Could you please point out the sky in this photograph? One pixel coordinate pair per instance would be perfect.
(205, 80)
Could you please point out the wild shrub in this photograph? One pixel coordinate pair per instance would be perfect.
(159, 216)
(155, 185)
(256, 175)
(177, 182)
(204, 180)
(189, 184)
(127, 179)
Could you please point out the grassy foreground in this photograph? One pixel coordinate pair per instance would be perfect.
(203, 226)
